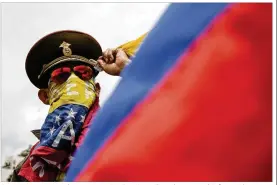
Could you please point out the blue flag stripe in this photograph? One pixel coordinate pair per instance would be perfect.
(180, 25)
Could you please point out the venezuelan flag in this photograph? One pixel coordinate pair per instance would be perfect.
(194, 105)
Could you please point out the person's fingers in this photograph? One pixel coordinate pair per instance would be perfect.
(100, 58)
(105, 55)
(106, 67)
(111, 69)
(110, 55)
(121, 58)
(115, 64)
(101, 62)
(121, 54)
(114, 52)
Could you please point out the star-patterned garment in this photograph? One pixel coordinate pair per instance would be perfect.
(62, 125)
(58, 136)
(69, 102)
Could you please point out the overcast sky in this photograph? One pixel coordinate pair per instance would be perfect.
(23, 24)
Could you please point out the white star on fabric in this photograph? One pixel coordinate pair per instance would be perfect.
(57, 119)
(52, 130)
(71, 114)
(83, 118)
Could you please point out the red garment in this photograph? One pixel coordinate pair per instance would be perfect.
(85, 127)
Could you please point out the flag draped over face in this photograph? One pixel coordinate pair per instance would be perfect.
(195, 104)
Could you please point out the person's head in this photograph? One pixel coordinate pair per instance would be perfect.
(59, 50)
(59, 54)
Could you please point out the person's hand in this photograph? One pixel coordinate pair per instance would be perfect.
(113, 61)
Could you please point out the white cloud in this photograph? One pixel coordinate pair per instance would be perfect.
(24, 23)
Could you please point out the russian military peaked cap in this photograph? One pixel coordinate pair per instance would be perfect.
(59, 49)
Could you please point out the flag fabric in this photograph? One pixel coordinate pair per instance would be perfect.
(131, 47)
(195, 104)
(57, 141)
(72, 104)
(50, 172)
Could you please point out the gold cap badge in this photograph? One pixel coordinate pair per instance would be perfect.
(66, 50)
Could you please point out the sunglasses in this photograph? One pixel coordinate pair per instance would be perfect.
(60, 75)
